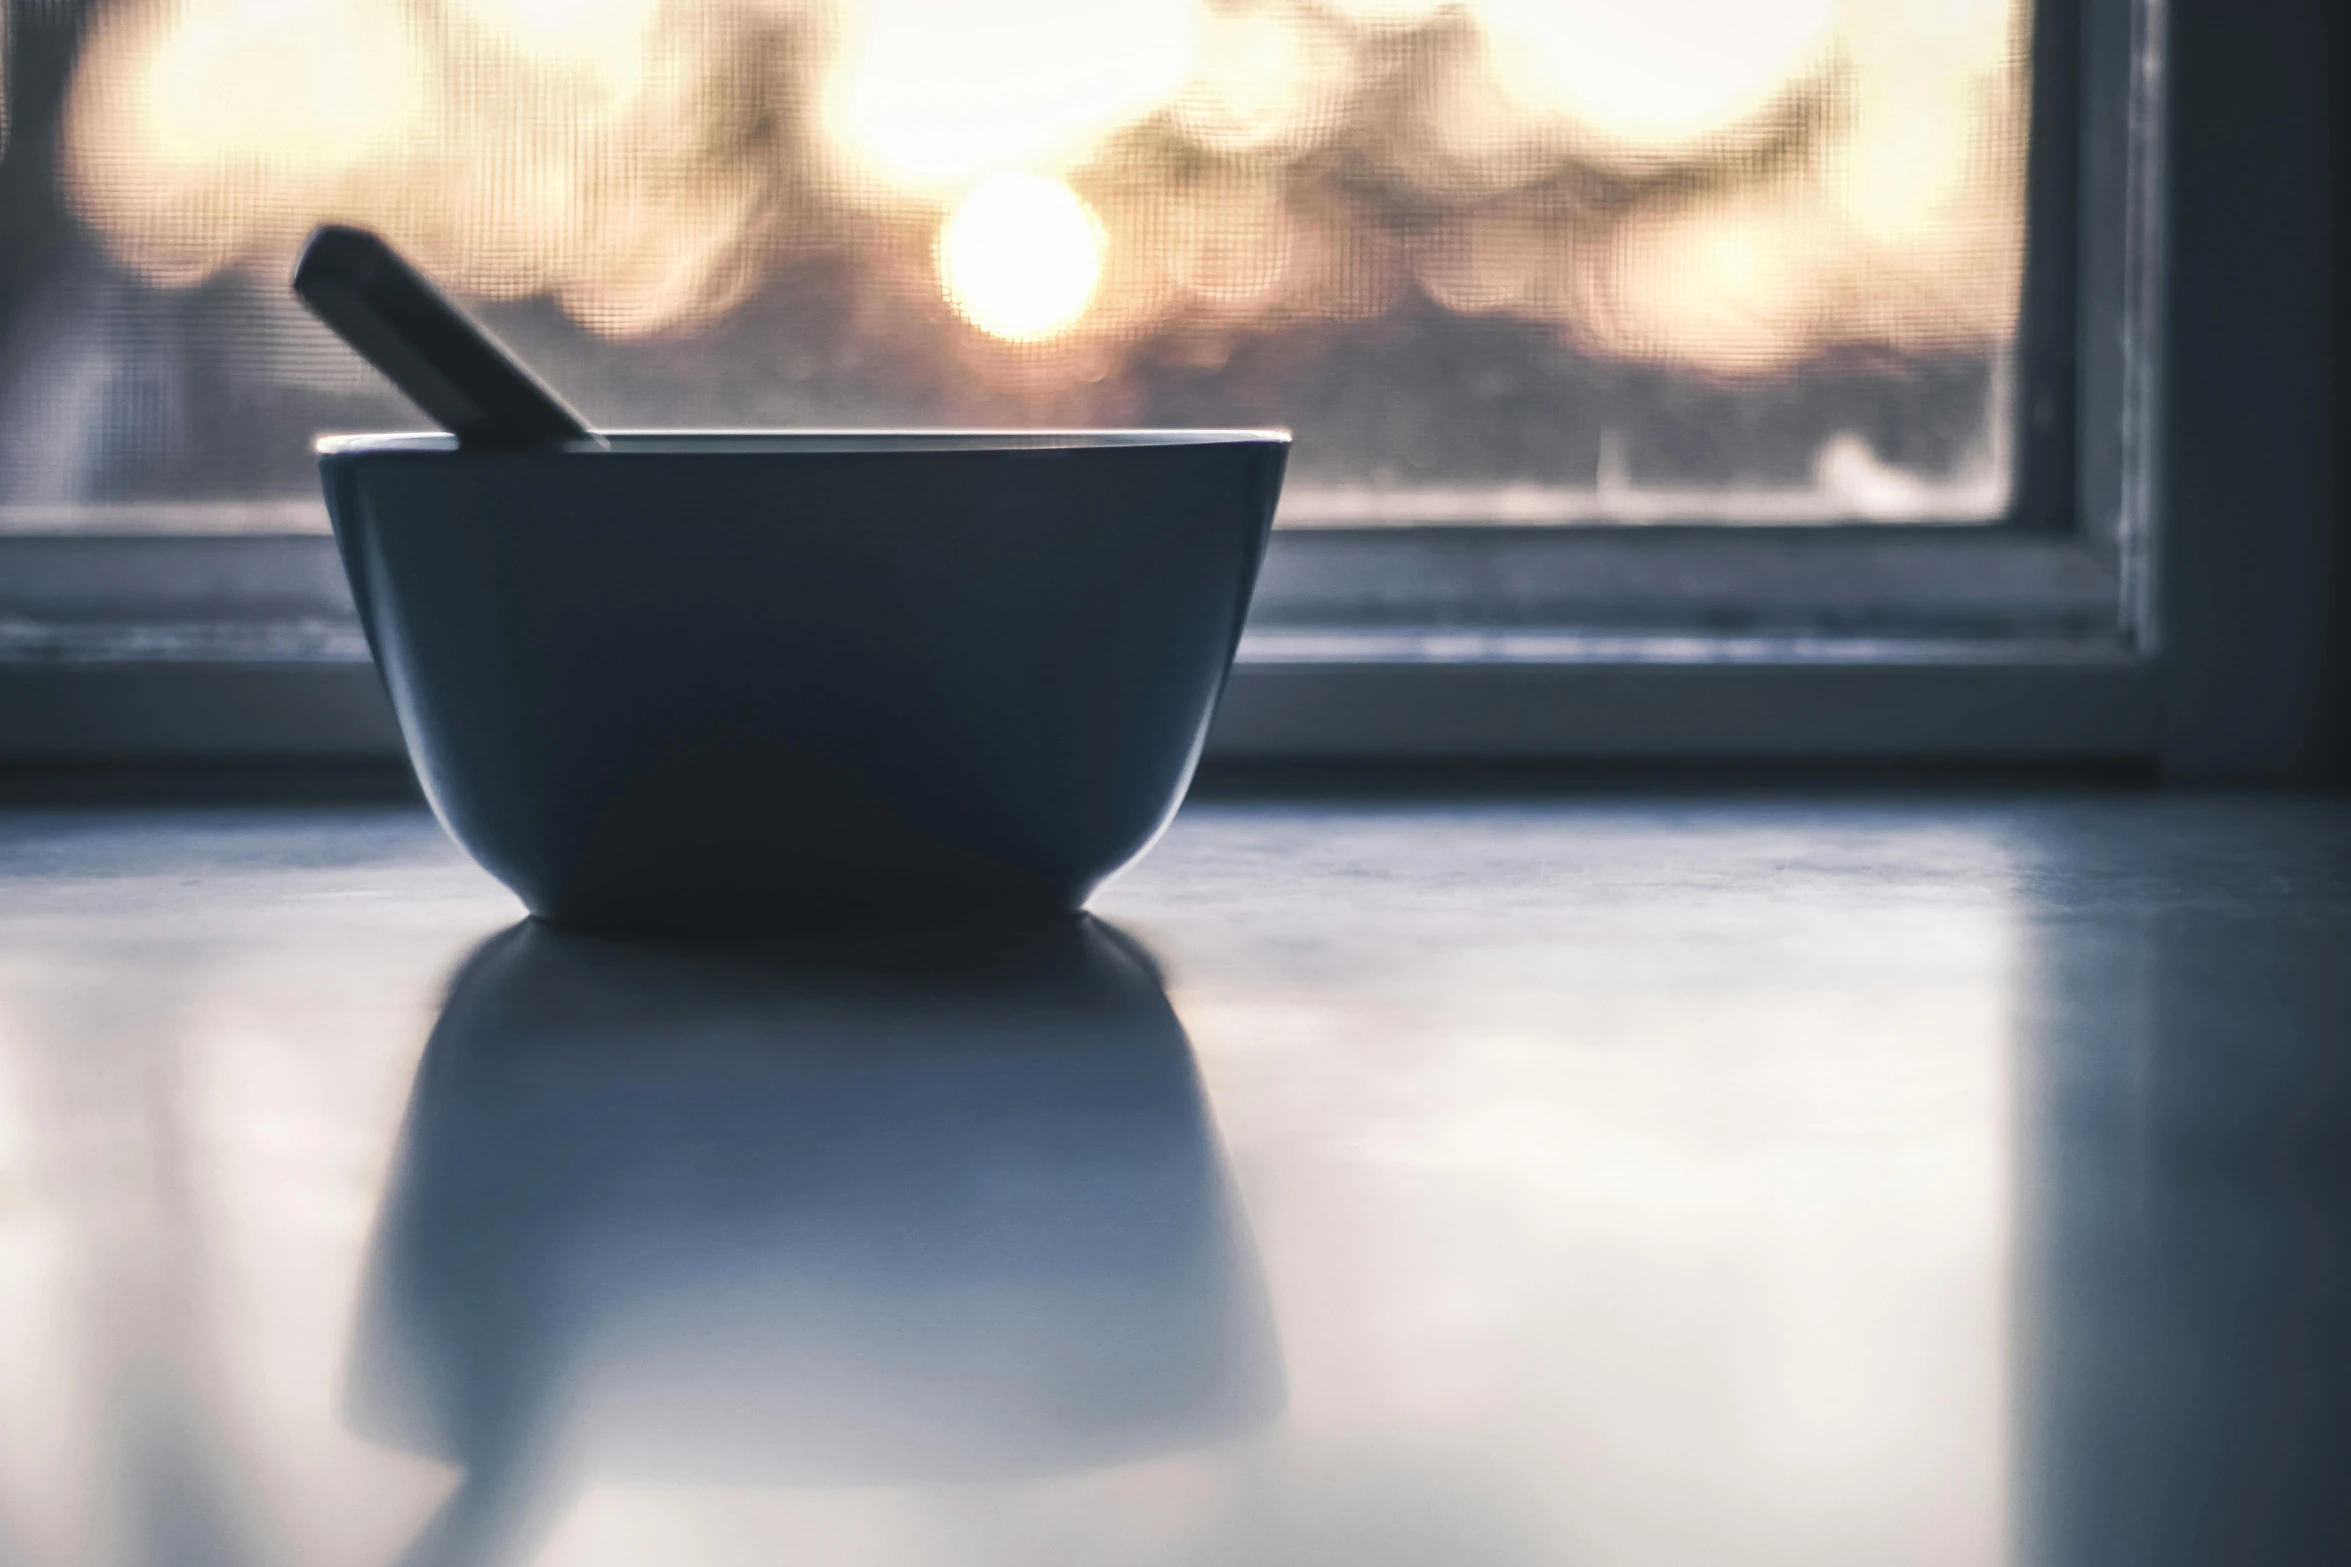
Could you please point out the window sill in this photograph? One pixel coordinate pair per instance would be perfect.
(246, 647)
(1924, 702)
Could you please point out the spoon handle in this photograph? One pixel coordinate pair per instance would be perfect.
(426, 346)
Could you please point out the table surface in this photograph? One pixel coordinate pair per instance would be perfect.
(1653, 1180)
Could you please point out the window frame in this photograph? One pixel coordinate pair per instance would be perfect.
(2036, 638)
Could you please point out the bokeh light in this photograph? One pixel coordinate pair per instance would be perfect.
(1446, 239)
(926, 95)
(1661, 76)
(1019, 257)
(1856, 161)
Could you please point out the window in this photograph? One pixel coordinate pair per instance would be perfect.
(1619, 335)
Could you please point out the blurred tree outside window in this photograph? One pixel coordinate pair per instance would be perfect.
(1534, 261)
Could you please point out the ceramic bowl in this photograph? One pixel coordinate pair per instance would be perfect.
(726, 680)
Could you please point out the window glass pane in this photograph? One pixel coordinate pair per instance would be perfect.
(1533, 260)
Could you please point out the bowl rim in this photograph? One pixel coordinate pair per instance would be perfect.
(790, 442)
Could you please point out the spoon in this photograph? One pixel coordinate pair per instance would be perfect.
(397, 321)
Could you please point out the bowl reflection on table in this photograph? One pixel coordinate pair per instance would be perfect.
(885, 1210)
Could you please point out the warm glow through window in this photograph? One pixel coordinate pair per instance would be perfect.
(1519, 260)
(1019, 257)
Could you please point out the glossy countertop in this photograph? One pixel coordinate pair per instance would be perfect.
(1637, 1181)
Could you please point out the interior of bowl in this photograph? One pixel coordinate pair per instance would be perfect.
(826, 440)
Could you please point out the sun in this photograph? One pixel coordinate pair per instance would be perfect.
(1020, 257)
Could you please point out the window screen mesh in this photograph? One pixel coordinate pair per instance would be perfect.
(1531, 260)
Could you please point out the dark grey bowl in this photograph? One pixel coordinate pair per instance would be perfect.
(726, 680)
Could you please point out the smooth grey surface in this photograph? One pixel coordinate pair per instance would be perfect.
(1680, 1179)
